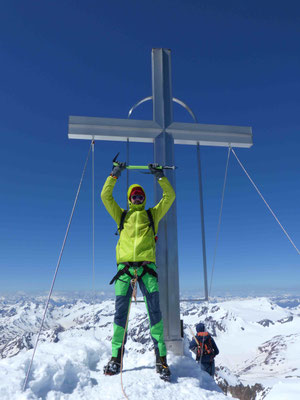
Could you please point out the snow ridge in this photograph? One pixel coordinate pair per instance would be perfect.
(258, 341)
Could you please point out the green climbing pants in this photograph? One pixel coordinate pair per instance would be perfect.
(149, 287)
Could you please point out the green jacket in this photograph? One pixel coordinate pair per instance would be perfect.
(136, 242)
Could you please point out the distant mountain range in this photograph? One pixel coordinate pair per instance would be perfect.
(258, 338)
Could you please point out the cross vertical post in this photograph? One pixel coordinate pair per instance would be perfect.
(167, 245)
(127, 171)
(162, 87)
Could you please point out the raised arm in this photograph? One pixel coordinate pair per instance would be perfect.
(165, 203)
(106, 195)
(168, 194)
(109, 202)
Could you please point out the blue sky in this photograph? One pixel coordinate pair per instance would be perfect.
(233, 63)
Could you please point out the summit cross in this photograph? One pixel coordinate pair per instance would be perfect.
(163, 132)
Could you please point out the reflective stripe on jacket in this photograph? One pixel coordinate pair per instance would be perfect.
(136, 242)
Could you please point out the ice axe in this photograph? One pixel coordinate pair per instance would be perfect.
(115, 164)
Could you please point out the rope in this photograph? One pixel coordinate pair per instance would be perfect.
(258, 191)
(56, 270)
(133, 285)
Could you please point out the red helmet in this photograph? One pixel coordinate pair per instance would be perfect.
(137, 191)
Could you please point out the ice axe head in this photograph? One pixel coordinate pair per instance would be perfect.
(115, 159)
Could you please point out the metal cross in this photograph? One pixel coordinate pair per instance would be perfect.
(163, 133)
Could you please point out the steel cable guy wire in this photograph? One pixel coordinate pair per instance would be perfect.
(56, 270)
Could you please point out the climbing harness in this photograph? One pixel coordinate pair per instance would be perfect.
(125, 270)
(57, 267)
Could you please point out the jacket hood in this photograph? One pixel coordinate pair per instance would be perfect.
(200, 327)
(132, 206)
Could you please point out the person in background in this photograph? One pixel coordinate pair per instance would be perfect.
(205, 348)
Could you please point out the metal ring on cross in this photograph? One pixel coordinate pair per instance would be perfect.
(180, 102)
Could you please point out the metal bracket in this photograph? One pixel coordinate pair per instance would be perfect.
(180, 102)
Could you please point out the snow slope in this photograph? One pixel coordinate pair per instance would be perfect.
(259, 343)
(71, 367)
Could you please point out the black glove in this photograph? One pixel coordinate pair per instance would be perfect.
(158, 172)
(117, 169)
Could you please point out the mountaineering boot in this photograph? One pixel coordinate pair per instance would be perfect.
(112, 367)
(162, 368)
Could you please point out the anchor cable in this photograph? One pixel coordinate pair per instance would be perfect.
(272, 212)
(220, 219)
(215, 252)
(56, 270)
(93, 233)
(219, 225)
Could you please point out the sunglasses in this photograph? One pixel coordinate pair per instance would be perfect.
(137, 197)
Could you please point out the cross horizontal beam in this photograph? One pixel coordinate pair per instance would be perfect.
(117, 129)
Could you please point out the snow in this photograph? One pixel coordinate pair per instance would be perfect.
(285, 391)
(72, 369)
(254, 310)
(258, 350)
(259, 343)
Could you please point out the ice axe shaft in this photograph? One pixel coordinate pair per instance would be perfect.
(115, 164)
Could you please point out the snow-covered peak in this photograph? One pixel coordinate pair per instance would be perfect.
(259, 344)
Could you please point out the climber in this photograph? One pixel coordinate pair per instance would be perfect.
(135, 254)
(205, 348)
